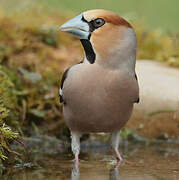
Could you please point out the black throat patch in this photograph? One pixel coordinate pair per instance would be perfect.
(89, 52)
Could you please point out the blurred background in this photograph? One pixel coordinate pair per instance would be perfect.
(158, 14)
(34, 54)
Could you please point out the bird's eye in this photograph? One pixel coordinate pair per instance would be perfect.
(98, 22)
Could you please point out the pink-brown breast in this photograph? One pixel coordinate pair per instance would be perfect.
(98, 100)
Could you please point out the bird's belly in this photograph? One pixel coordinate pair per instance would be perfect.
(97, 112)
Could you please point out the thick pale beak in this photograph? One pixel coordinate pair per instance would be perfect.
(77, 27)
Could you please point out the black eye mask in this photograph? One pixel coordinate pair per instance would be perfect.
(94, 24)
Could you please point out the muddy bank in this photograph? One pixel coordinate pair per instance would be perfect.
(157, 114)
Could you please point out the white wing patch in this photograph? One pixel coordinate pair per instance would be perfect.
(60, 92)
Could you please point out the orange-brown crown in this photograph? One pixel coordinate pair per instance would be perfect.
(108, 16)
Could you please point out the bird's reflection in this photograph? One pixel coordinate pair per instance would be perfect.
(113, 173)
(75, 173)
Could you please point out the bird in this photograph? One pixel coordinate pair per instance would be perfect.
(98, 94)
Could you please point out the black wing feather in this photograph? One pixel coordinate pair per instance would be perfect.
(138, 99)
(64, 76)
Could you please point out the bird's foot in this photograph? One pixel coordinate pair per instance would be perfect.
(118, 156)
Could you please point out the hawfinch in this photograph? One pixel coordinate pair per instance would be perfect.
(98, 94)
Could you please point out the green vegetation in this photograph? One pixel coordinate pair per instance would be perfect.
(157, 45)
(33, 55)
(8, 104)
(30, 61)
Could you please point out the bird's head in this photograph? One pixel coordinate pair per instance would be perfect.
(106, 37)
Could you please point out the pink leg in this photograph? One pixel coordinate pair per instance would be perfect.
(76, 160)
(115, 139)
(75, 145)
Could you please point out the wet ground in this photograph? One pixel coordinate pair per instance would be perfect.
(156, 162)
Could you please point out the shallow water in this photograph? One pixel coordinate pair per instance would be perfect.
(150, 163)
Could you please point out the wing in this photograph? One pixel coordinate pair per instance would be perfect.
(138, 99)
(64, 76)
